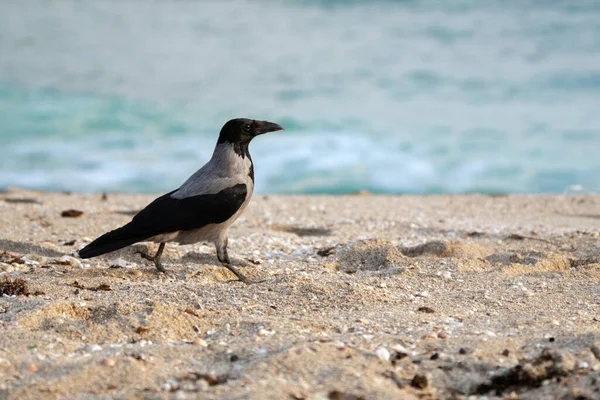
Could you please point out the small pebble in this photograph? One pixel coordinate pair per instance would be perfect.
(434, 356)
(91, 348)
(489, 333)
(68, 260)
(265, 332)
(169, 386)
(109, 362)
(399, 348)
(419, 381)
(445, 274)
(442, 335)
(118, 263)
(582, 365)
(506, 353)
(31, 368)
(200, 342)
(202, 385)
(383, 353)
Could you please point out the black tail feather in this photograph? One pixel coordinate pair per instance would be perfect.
(111, 241)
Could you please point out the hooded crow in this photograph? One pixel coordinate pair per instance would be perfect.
(203, 208)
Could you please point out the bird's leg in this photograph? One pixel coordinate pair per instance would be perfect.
(223, 257)
(156, 258)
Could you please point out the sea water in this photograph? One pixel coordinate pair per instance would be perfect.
(385, 96)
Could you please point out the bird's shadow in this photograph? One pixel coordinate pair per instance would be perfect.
(28, 248)
(206, 258)
(194, 257)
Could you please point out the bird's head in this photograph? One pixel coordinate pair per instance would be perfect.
(243, 130)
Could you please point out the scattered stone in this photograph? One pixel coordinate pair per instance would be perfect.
(211, 379)
(419, 381)
(71, 213)
(397, 356)
(506, 353)
(191, 312)
(445, 275)
(31, 368)
(427, 310)
(104, 287)
(109, 362)
(464, 351)
(118, 263)
(141, 330)
(200, 342)
(67, 260)
(434, 356)
(399, 348)
(326, 251)
(383, 353)
(92, 348)
(170, 385)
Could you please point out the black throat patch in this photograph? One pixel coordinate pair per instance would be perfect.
(241, 149)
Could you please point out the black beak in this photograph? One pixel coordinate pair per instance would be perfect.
(261, 127)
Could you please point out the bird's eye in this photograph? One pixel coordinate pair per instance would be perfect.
(247, 128)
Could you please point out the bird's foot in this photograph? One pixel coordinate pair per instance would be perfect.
(154, 259)
(241, 277)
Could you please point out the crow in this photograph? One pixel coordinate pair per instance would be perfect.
(203, 208)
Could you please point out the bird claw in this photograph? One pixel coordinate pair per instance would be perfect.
(156, 262)
(144, 255)
(241, 277)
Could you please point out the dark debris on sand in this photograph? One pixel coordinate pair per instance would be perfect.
(14, 287)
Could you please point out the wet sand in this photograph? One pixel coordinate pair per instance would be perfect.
(372, 297)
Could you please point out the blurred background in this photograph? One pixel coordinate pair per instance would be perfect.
(415, 96)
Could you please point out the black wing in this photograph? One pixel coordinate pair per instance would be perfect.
(167, 214)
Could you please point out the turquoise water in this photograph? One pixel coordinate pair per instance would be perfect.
(386, 96)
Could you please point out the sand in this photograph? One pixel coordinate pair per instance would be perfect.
(365, 297)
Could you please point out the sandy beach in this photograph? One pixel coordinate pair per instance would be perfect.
(364, 297)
